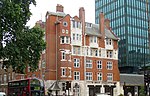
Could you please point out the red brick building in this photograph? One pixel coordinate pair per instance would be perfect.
(82, 53)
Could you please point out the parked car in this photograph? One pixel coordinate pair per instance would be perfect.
(2, 94)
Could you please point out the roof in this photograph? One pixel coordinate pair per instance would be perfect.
(56, 13)
(54, 86)
(94, 30)
(132, 79)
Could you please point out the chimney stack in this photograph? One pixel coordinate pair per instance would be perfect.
(59, 8)
(101, 24)
(107, 23)
(82, 18)
(82, 14)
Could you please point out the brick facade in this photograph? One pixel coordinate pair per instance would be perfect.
(68, 43)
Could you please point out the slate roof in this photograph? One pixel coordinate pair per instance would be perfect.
(132, 79)
(94, 30)
(56, 13)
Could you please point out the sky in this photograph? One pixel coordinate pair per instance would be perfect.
(70, 7)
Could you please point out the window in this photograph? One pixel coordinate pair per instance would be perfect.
(99, 53)
(67, 40)
(63, 56)
(70, 71)
(63, 30)
(73, 36)
(5, 78)
(109, 65)
(62, 40)
(76, 75)
(88, 63)
(76, 63)
(109, 54)
(93, 39)
(109, 41)
(67, 31)
(88, 75)
(65, 24)
(63, 72)
(99, 76)
(99, 64)
(76, 50)
(109, 76)
(63, 86)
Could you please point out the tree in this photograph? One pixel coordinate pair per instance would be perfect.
(141, 91)
(23, 46)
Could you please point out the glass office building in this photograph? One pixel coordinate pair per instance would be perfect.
(129, 22)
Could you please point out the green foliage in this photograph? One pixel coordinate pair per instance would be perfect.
(141, 91)
(23, 46)
(121, 95)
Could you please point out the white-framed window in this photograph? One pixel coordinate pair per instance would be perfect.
(109, 65)
(63, 30)
(89, 76)
(99, 53)
(77, 37)
(93, 39)
(69, 71)
(63, 72)
(99, 64)
(76, 24)
(74, 36)
(109, 77)
(76, 63)
(63, 55)
(62, 38)
(109, 41)
(110, 54)
(76, 75)
(76, 50)
(99, 76)
(94, 52)
(67, 31)
(65, 40)
(87, 51)
(88, 63)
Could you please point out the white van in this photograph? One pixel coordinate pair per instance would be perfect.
(2, 94)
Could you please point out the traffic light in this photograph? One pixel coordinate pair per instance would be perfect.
(68, 85)
(146, 78)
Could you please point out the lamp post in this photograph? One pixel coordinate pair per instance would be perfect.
(145, 73)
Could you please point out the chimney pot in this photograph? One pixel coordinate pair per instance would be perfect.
(59, 8)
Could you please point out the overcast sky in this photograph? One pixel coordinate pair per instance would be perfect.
(70, 7)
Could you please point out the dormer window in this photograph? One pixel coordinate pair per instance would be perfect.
(93, 39)
(76, 24)
(109, 41)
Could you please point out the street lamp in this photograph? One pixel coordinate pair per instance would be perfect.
(145, 73)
